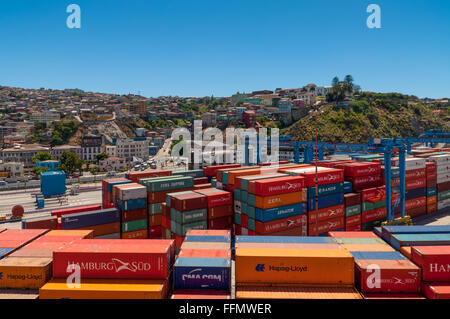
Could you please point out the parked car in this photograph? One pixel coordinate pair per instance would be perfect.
(110, 174)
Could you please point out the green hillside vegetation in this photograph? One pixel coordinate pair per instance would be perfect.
(371, 115)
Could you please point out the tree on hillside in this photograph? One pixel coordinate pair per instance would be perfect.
(335, 81)
(42, 156)
(38, 170)
(70, 162)
(101, 157)
(349, 79)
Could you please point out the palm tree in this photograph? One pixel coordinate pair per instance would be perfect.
(335, 81)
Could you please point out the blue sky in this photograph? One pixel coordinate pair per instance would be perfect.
(204, 47)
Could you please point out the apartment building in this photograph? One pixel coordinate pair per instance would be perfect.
(11, 169)
(44, 117)
(129, 148)
(91, 147)
(23, 154)
(112, 164)
(57, 151)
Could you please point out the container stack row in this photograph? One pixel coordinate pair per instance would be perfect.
(286, 267)
(202, 269)
(111, 269)
(157, 189)
(442, 180)
(131, 200)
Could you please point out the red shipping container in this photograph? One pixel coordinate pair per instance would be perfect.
(358, 169)
(22, 234)
(202, 186)
(431, 176)
(436, 290)
(205, 253)
(434, 261)
(415, 174)
(412, 184)
(386, 276)
(237, 230)
(110, 258)
(211, 170)
(431, 167)
(128, 216)
(50, 222)
(414, 203)
(280, 224)
(373, 214)
(200, 180)
(352, 221)
(221, 223)
(155, 232)
(363, 182)
(220, 211)
(217, 197)
(178, 241)
(295, 231)
(373, 194)
(326, 213)
(136, 176)
(431, 183)
(330, 176)
(138, 234)
(74, 210)
(165, 222)
(442, 187)
(326, 226)
(244, 220)
(208, 232)
(355, 228)
(188, 201)
(275, 186)
(352, 199)
(415, 212)
(351, 234)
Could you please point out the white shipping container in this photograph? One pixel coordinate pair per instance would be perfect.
(134, 192)
(443, 169)
(237, 206)
(411, 163)
(440, 159)
(443, 204)
(443, 178)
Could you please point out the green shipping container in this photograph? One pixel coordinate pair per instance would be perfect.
(237, 194)
(188, 216)
(251, 224)
(443, 195)
(134, 225)
(362, 241)
(244, 196)
(154, 209)
(195, 173)
(369, 205)
(237, 219)
(166, 184)
(181, 230)
(352, 210)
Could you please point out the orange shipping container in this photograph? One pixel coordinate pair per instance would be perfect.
(105, 229)
(86, 234)
(431, 208)
(431, 200)
(296, 293)
(138, 234)
(406, 251)
(24, 273)
(274, 266)
(155, 220)
(105, 289)
(267, 202)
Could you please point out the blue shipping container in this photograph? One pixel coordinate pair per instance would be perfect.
(388, 231)
(348, 186)
(431, 192)
(326, 201)
(416, 193)
(4, 251)
(285, 239)
(53, 183)
(280, 212)
(202, 273)
(206, 238)
(399, 240)
(110, 185)
(133, 204)
(380, 255)
(97, 217)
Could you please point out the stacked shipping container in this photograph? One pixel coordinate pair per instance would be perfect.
(442, 180)
(199, 272)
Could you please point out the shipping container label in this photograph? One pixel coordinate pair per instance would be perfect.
(279, 212)
(326, 189)
(374, 214)
(326, 213)
(279, 225)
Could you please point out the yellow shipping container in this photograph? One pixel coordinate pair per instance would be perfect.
(281, 266)
(24, 273)
(297, 293)
(105, 289)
